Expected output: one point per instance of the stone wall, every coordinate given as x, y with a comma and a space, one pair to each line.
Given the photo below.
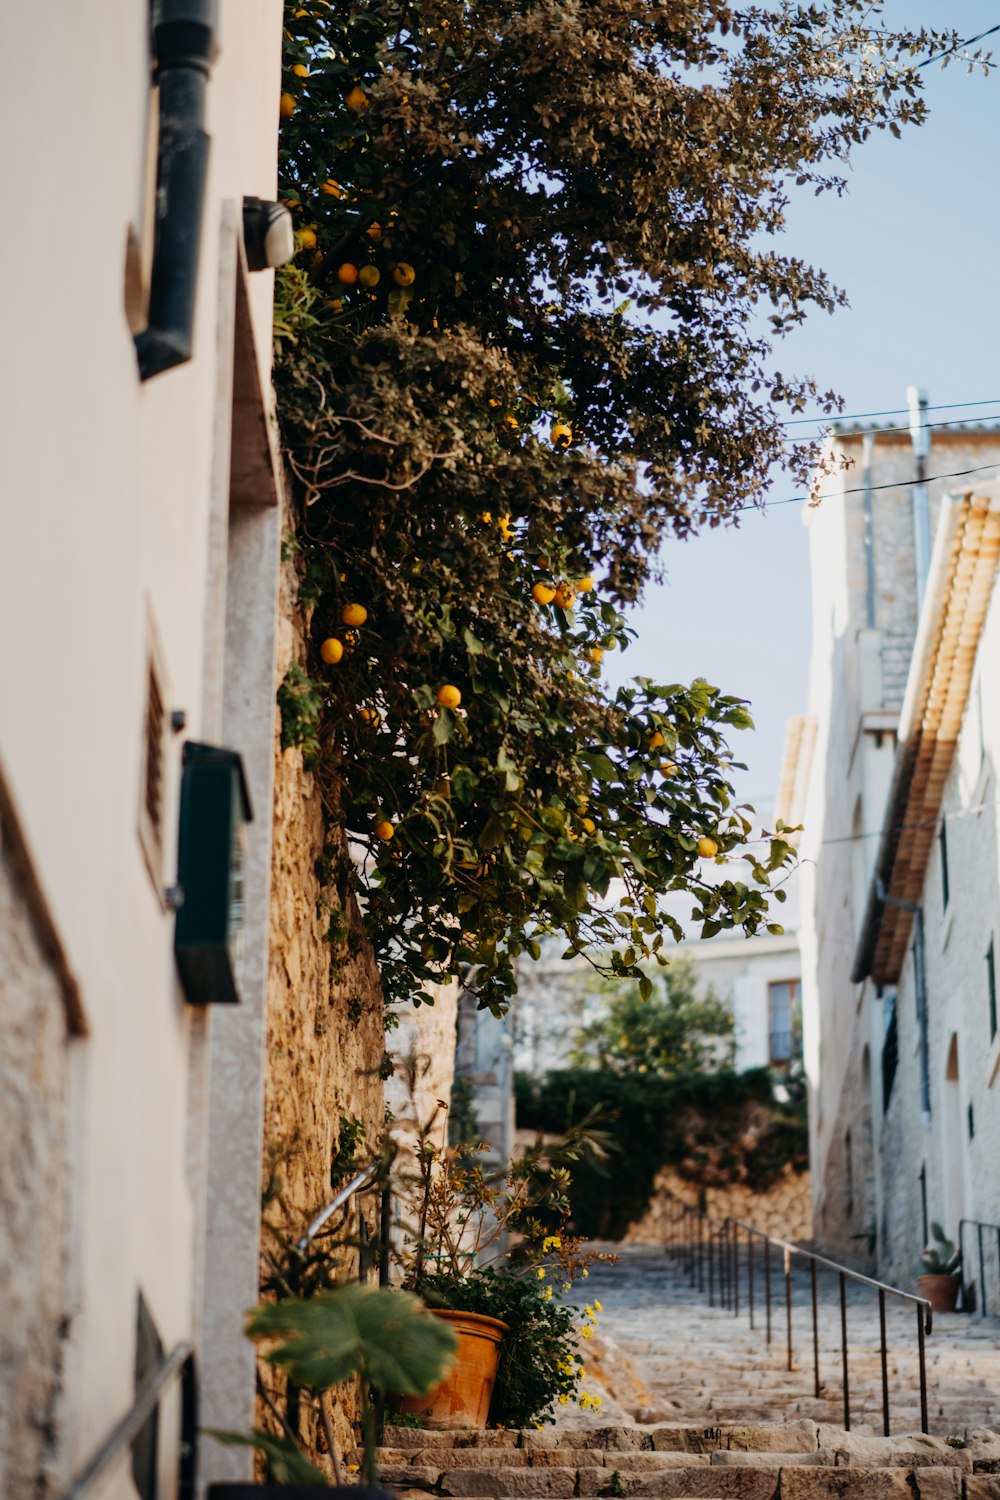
784, 1211
35, 1198
325, 1023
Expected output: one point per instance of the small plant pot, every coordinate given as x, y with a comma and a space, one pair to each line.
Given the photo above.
463, 1397
941, 1291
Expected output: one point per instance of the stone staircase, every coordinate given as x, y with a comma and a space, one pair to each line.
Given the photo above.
799, 1460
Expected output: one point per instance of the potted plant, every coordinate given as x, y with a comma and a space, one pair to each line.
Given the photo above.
940, 1281
385, 1337
492, 1255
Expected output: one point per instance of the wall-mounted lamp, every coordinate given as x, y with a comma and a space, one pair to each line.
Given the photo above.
268, 234
215, 808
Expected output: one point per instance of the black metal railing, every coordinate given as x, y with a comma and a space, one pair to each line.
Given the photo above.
985, 1234
178, 1365
726, 1259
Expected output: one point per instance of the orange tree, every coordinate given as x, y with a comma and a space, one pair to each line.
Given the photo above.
526, 339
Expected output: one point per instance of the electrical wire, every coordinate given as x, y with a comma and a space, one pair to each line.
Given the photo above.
919, 426
861, 489
969, 42
950, 817
896, 411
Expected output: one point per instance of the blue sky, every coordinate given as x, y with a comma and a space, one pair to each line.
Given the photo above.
916, 245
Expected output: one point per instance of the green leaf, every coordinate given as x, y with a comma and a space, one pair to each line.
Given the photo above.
387, 1337
444, 726
492, 834
645, 987
286, 1464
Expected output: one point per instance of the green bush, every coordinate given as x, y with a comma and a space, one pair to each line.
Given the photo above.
714, 1129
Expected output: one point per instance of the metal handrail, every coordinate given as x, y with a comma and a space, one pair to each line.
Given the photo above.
375, 1172
365, 1178
179, 1363
714, 1257
978, 1225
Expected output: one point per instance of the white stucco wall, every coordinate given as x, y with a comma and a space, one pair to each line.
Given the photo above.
862, 1184
109, 489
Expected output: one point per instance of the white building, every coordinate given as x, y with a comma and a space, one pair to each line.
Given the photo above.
900, 862
138, 577
758, 978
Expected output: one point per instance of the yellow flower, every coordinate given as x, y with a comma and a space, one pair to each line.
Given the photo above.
547, 1294
585, 1273
587, 1332
597, 1305
352, 1468
540, 1273
552, 1242
588, 1311
563, 1400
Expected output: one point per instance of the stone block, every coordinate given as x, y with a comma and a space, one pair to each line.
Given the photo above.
494, 1457
413, 1476
553, 1484
739, 1458
916, 1450
857, 1484
982, 1487
778, 1437
712, 1484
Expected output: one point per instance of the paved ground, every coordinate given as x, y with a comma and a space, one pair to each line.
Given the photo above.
694, 1363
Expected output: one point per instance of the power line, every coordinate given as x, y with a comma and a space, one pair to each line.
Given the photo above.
897, 411
861, 489
962, 812
969, 42
880, 431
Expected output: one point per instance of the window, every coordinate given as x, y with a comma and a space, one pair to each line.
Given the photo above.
943, 847
153, 778
145, 1444
890, 1051
783, 1004
991, 982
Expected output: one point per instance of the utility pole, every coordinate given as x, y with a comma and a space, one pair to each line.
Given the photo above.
920, 437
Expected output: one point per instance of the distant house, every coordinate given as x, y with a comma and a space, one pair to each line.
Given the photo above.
901, 875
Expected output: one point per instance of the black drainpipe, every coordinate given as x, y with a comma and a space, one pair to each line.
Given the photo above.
184, 44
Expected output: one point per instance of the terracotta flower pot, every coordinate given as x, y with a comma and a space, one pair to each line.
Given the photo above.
463, 1397
941, 1291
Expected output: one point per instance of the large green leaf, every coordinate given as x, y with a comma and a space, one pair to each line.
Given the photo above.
286, 1464
387, 1337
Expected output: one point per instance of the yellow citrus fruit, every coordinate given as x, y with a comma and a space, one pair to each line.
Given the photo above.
307, 239
505, 528
404, 274
668, 768
335, 304
542, 593
347, 273
331, 650
300, 70
384, 830
595, 654
585, 585
331, 188
369, 276
656, 740
449, 696
287, 106
356, 100
354, 614
564, 596
588, 824
562, 434
374, 231
707, 847
486, 516
371, 717
511, 422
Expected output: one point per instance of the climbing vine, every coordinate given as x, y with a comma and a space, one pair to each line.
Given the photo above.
519, 350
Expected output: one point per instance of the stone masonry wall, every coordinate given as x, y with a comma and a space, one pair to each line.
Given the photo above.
34, 1200
784, 1211
325, 1027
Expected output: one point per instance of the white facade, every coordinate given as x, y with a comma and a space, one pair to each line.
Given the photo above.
884, 769
139, 533
758, 978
